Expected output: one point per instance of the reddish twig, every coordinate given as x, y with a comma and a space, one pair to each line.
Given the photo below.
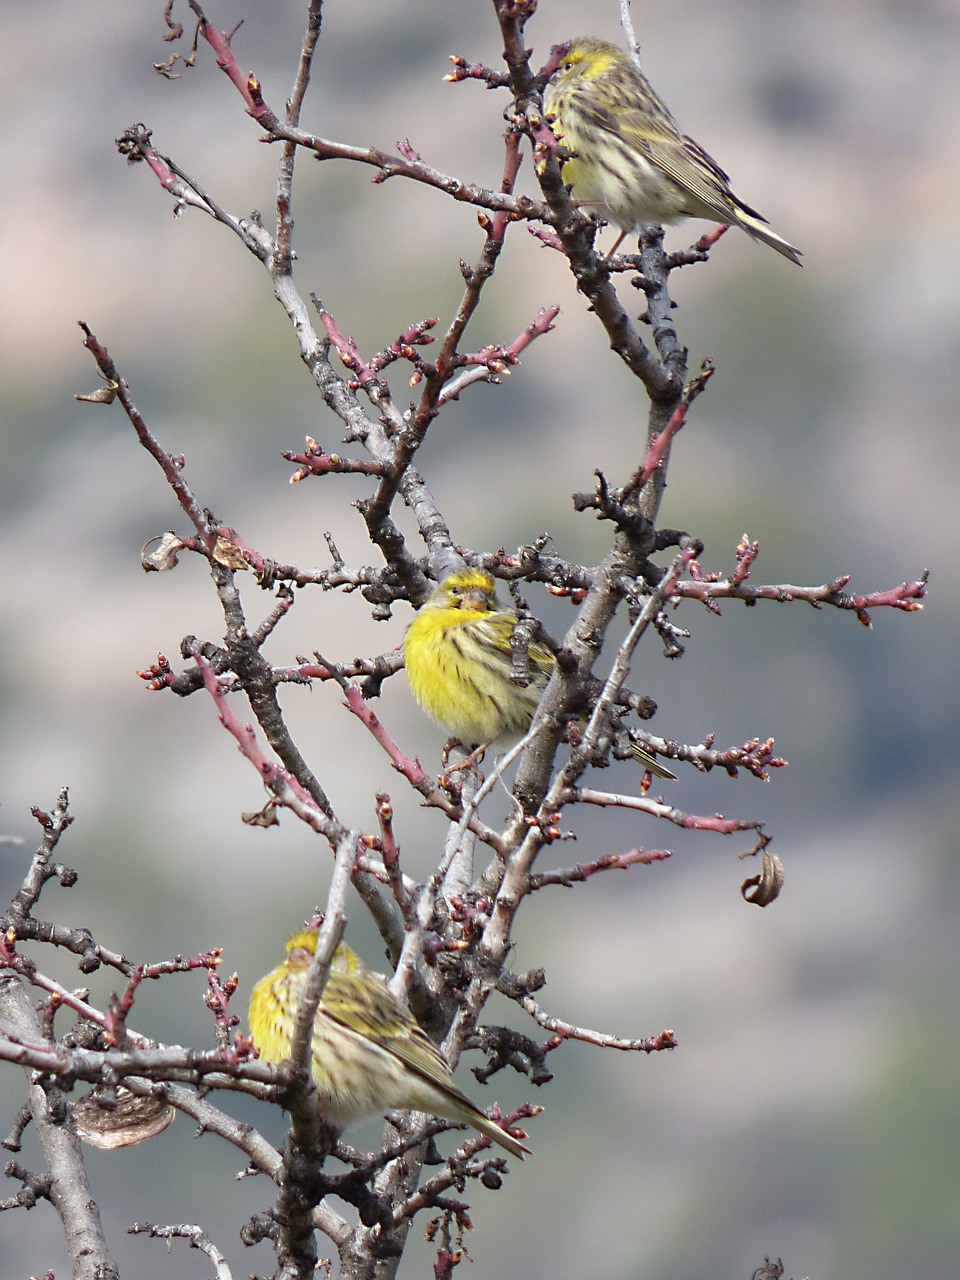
387, 165
390, 851
11, 959
386, 664
710, 238
346, 348
463, 70
118, 1010
569, 876
314, 462
247, 85
710, 589
657, 809
136, 144
660, 443
543, 323
755, 755
171, 466
411, 768
217, 1000
279, 781
567, 1031
747, 552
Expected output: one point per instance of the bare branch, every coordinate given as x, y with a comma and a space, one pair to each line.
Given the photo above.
609, 862
906, 596
69, 1189
196, 1237
567, 1031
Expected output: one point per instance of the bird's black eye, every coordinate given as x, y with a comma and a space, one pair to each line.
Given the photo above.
567, 66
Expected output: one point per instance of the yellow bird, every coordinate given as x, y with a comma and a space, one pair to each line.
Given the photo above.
369, 1054
630, 158
458, 661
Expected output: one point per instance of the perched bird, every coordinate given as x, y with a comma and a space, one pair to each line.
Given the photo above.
629, 157
369, 1054
458, 661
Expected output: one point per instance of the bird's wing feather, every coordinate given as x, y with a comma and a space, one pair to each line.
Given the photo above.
493, 634
371, 1010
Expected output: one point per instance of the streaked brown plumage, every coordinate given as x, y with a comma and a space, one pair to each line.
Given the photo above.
369, 1054
631, 159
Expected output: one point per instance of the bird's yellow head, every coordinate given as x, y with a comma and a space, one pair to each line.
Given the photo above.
472, 590
302, 947
586, 58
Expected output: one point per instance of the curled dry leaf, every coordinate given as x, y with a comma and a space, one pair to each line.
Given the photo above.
763, 889
104, 395
229, 555
132, 1120
165, 554
265, 817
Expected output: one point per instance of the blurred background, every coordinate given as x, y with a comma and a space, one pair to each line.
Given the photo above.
812, 1107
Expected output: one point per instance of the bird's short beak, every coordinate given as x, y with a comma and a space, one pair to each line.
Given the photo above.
476, 599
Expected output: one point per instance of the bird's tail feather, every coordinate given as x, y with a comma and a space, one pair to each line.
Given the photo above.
758, 229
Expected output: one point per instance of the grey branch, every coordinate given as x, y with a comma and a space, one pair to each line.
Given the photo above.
69, 1190
198, 1240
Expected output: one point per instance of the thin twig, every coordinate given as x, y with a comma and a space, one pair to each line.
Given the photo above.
328, 939
567, 1031
196, 1236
